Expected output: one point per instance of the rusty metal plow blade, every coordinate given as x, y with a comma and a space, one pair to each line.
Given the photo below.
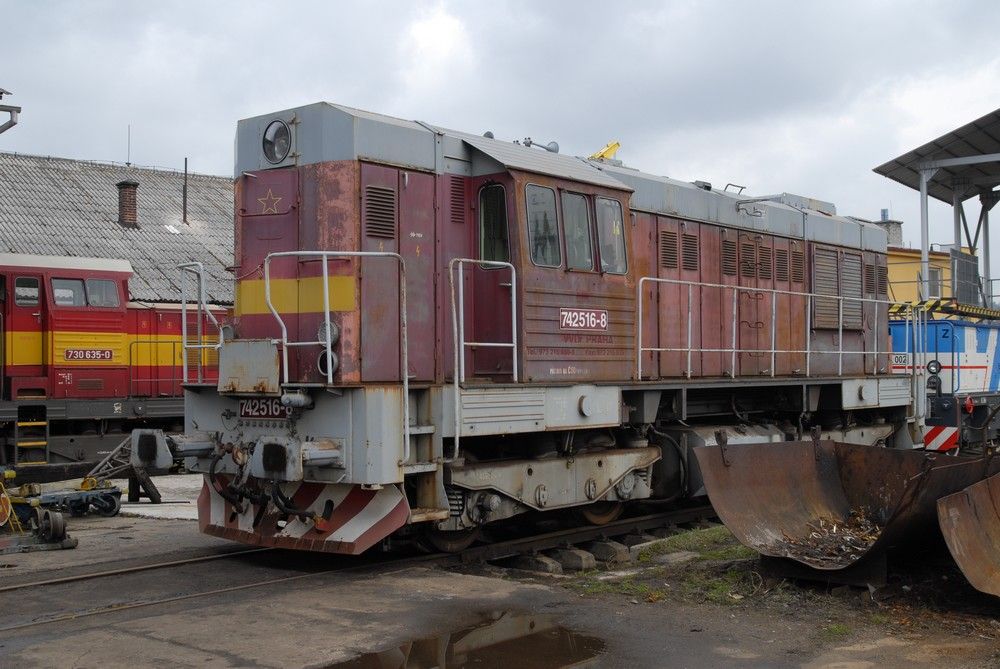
970, 523
828, 504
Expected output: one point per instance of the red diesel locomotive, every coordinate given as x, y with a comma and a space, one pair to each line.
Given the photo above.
435, 330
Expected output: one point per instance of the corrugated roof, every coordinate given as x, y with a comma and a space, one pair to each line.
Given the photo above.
980, 137
58, 206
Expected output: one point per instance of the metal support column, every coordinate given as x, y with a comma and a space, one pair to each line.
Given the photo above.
986, 260
925, 243
987, 200
956, 210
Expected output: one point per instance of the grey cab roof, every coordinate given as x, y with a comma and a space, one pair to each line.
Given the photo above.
977, 138
325, 131
63, 207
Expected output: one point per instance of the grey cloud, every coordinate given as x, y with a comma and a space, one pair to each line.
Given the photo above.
780, 95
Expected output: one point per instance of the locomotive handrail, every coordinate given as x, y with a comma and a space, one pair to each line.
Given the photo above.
918, 344
458, 331
326, 342
198, 269
152, 380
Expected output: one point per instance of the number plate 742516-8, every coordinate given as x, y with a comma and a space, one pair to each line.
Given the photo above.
583, 319
262, 407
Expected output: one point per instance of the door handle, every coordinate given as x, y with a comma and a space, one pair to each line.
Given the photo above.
37, 314
505, 284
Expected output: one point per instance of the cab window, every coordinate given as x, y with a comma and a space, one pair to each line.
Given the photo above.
493, 244
26, 291
68, 293
543, 228
611, 236
576, 224
102, 293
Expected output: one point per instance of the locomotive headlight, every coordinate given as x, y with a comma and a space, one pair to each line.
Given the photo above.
334, 333
934, 367
277, 141
321, 362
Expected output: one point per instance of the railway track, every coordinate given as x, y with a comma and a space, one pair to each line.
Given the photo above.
492, 551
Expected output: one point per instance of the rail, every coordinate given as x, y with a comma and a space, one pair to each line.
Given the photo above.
153, 380
458, 331
913, 319
327, 342
198, 269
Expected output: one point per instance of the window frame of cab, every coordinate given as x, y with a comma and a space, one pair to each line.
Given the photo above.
600, 238
481, 227
589, 212
557, 227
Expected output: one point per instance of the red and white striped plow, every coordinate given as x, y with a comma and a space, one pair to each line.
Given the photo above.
940, 438
360, 518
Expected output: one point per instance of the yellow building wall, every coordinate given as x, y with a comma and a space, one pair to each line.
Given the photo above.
904, 270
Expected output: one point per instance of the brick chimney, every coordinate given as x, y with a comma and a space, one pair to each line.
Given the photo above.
128, 213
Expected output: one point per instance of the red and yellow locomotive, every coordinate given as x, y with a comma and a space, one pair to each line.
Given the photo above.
82, 364
437, 330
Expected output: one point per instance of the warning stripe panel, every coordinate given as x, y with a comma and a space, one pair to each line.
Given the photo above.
940, 438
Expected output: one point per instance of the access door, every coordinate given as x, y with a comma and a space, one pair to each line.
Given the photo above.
492, 285
26, 334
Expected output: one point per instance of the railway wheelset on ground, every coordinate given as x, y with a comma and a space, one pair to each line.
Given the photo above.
434, 331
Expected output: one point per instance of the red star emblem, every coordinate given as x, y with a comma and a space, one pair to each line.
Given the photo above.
269, 203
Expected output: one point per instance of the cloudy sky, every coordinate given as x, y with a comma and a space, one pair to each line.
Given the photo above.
804, 97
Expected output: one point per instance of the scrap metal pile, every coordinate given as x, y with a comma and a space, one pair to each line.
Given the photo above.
832, 543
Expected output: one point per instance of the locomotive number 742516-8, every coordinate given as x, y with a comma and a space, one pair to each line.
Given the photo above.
583, 319
263, 407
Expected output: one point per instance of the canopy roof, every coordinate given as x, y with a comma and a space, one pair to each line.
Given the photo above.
978, 138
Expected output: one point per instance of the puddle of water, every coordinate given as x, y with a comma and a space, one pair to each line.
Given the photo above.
501, 640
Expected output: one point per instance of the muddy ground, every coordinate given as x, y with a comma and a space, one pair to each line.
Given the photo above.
697, 599
926, 615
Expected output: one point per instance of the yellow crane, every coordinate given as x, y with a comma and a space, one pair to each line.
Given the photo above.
608, 152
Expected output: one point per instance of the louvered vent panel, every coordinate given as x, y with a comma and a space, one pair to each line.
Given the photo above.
690, 252
668, 249
798, 266
764, 268
380, 212
850, 286
826, 313
457, 197
748, 260
729, 257
883, 281
781, 265
869, 279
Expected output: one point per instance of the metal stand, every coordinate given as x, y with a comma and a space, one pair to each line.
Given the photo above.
118, 464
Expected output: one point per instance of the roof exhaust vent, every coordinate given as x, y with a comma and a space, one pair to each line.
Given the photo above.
551, 147
128, 212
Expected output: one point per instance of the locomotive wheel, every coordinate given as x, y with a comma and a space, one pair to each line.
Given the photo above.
109, 506
602, 513
449, 541
51, 525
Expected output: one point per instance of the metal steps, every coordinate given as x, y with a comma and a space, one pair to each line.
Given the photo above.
31, 437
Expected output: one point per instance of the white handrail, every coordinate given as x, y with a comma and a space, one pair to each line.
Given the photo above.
458, 332
198, 269
773, 350
326, 341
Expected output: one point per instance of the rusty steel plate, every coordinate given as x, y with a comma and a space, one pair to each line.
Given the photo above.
970, 523
829, 504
